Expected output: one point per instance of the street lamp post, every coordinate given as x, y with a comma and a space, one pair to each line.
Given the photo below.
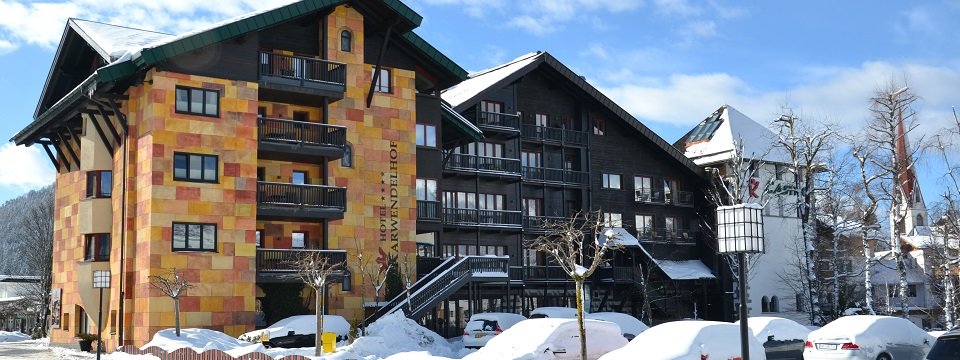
101, 280
740, 232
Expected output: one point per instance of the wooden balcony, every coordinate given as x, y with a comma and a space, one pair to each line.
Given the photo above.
293, 202
428, 210
300, 80
534, 224
482, 218
555, 176
300, 141
555, 274
667, 235
498, 123
483, 165
554, 135
276, 265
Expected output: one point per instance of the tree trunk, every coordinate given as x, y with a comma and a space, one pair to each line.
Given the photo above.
319, 340
948, 298
176, 312
583, 330
902, 271
867, 281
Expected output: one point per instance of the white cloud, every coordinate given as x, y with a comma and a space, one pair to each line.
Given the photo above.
677, 8
24, 167
839, 95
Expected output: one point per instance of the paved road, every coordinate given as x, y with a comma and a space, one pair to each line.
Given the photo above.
25, 351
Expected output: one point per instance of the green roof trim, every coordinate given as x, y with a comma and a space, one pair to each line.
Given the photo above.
462, 125
404, 11
435, 54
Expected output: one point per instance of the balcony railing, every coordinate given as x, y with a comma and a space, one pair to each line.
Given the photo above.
428, 210
535, 223
301, 132
301, 195
493, 120
477, 217
302, 70
483, 164
663, 234
281, 260
561, 135
560, 176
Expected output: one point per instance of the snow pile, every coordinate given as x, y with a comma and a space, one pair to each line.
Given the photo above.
537, 339
687, 340
301, 325
13, 336
394, 334
201, 340
780, 328
872, 332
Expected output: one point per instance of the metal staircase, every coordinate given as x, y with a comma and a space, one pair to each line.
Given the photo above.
448, 277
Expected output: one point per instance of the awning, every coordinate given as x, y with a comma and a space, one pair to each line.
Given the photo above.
620, 237
681, 269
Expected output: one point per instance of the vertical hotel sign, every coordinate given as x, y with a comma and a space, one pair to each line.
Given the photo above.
389, 206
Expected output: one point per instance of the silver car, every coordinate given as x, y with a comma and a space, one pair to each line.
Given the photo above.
868, 337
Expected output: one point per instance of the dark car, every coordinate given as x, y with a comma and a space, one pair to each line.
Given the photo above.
947, 346
298, 331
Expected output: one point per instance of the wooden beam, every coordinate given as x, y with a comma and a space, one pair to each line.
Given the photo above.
109, 124
58, 143
53, 158
72, 153
376, 69
103, 137
120, 116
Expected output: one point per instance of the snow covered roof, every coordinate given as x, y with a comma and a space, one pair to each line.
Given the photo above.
19, 278
621, 237
482, 80
681, 269
884, 270
714, 139
111, 41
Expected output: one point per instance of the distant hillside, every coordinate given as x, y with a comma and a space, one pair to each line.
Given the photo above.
12, 216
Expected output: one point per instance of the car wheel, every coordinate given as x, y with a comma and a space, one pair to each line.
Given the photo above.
884, 357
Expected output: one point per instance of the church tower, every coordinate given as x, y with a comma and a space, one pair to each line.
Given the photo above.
915, 221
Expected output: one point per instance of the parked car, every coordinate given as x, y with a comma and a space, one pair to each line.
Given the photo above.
782, 339
484, 326
630, 326
298, 331
868, 337
683, 340
946, 347
553, 312
554, 338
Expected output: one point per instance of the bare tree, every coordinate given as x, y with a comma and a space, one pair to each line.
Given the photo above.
574, 244
868, 205
37, 255
174, 285
317, 270
892, 118
947, 144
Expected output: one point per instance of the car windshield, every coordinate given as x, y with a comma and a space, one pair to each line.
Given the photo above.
537, 316
945, 348
482, 325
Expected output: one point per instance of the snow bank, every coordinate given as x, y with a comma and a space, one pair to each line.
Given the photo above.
687, 340
301, 325
782, 329
872, 332
13, 336
395, 334
201, 340
536, 339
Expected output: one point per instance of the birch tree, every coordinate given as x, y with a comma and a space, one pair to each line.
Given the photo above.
946, 145
574, 245
867, 211
174, 285
317, 270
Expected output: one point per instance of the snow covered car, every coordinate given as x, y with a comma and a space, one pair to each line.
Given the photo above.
682, 340
298, 331
484, 326
553, 312
781, 338
947, 346
554, 338
630, 326
868, 337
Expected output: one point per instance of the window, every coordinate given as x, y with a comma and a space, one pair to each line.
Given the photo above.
261, 173
672, 225
452, 250
383, 82
194, 237
774, 304
99, 183
489, 202
611, 181
466, 200
426, 189
612, 219
491, 106
426, 135
346, 282
540, 120
347, 159
301, 116
262, 111
530, 257
299, 239
195, 167
599, 127
764, 304
668, 192
920, 220
198, 101
491, 113
911, 291
530, 159
642, 188
644, 226
97, 247
259, 238
490, 150
531, 207
299, 178
346, 41
425, 250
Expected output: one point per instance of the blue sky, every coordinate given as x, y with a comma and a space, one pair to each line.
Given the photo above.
669, 62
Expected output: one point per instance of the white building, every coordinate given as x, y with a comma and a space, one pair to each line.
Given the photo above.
712, 144
12, 294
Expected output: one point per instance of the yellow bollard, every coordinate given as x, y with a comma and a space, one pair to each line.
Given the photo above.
329, 342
